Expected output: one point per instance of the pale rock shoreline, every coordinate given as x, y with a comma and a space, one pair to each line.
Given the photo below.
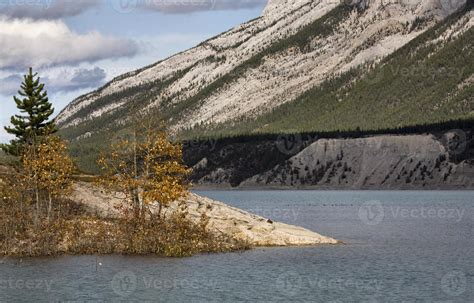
223, 219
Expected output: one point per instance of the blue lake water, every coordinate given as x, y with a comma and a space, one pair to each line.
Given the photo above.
400, 246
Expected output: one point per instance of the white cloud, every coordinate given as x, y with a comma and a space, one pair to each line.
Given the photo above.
25, 42
45, 9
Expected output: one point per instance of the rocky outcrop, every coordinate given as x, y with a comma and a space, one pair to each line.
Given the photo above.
416, 161
223, 219
419, 161
254, 229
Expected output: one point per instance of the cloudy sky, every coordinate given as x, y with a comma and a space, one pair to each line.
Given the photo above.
78, 45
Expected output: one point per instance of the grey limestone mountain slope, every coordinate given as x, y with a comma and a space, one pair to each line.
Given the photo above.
245, 73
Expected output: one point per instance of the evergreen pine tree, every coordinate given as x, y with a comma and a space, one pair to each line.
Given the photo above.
33, 123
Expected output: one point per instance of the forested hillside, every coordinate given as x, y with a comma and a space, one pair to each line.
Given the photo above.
430, 80
350, 68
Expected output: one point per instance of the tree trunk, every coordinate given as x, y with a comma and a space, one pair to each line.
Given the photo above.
135, 175
136, 204
160, 208
142, 208
50, 205
150, 213
37, 204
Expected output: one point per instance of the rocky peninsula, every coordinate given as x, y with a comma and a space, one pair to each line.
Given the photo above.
223, 219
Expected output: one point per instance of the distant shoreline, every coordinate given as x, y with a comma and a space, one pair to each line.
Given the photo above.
226, 187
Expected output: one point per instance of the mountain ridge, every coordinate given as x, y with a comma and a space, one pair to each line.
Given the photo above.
311, 79
222, 105
197, 57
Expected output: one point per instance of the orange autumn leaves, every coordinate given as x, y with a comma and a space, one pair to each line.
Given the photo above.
38, 219
46, 171
48, 166
148, 169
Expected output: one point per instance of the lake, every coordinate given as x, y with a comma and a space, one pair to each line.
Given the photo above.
400, 246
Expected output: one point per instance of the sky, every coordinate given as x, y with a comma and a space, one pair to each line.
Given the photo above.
77, 46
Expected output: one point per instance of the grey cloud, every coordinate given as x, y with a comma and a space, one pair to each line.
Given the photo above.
85, 76
56, 9
190, 6
9, 85
81, 78
66, 81
45, 9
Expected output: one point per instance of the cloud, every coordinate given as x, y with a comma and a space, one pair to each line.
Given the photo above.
78, 79
4, 136
190, 6
64, 81
25, 43
9, 85
57, 9
45, 9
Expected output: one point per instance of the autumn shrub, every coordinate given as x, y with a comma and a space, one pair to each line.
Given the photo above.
38, 219
73, 229
176, 236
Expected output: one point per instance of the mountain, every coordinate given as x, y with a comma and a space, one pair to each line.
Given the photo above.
302, 66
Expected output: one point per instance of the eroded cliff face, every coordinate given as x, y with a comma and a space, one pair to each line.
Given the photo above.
415, 161
378, 162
